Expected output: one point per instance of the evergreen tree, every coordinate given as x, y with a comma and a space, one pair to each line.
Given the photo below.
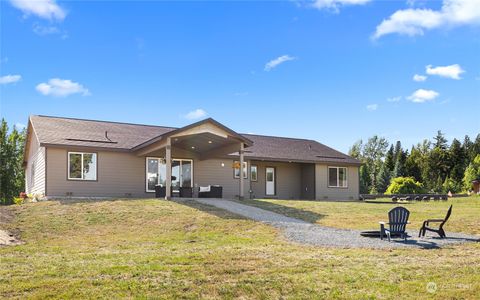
440, 141
396, 152
475, 148
364, 179
384, 177
458, 159
389, 160
11, 159
399, 169
468, 149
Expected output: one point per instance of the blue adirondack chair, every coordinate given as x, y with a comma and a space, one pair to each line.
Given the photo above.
397, 223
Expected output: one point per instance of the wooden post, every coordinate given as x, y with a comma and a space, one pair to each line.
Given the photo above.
242, 180
168, 180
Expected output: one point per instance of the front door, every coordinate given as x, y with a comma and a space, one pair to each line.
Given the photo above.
270, 181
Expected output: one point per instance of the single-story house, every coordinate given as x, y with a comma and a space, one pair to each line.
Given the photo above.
66, 157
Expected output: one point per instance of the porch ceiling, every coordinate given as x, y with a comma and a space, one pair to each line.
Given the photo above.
202, 142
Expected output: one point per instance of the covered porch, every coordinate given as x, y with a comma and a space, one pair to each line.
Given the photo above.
174, 159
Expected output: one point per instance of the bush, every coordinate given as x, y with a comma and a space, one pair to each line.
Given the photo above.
404, 185
18, 200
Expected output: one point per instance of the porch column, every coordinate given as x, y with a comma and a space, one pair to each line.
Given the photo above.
242, 180
168, 180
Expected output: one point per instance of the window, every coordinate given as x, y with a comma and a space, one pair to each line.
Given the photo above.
156, 168
156, 173
337, 177
236, 171
253, 173
82, 166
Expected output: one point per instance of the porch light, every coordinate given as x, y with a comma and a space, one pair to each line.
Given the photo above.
193, 147
209, 142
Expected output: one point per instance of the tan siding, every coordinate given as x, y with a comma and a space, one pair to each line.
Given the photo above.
118, 174
211, 172
35, 169
288, 180
323, 192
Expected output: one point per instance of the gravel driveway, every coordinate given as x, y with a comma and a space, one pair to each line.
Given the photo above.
306, 233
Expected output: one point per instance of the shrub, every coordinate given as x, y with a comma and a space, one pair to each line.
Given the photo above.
404, 185
18, 200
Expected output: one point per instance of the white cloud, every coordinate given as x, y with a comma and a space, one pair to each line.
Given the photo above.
20, 126
421, 95
452, 71
47, 9
10, 79
334, 5
419, 78
372, 107
61, 88
394, 99
45, 30
413, 22
196, 114
277, 61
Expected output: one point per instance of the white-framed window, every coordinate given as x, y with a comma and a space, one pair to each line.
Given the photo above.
236, 171
253, 172
82, 166
337, 177
156, 170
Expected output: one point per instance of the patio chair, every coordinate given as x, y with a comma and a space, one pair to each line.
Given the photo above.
439, 230
397, 223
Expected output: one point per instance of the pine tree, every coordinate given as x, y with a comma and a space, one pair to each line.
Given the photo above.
384, 177
399, 169
364, 179
440, 141
389, 160
458, 160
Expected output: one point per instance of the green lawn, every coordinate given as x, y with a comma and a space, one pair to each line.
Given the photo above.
161, 249
360, 215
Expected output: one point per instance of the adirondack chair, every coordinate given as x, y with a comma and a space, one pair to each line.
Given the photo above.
397, 223
439, 230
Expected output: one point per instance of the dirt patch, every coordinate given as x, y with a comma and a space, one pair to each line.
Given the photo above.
7, 238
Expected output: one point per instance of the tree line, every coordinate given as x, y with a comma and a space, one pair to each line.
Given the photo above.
12, 175
439, 166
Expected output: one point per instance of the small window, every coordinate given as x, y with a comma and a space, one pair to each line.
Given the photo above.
337, 177
82, 166
236, 170
253, 173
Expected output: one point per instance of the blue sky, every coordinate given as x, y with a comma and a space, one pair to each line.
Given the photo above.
332, 70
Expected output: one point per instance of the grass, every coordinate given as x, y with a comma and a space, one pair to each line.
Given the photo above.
365, 215
161, 249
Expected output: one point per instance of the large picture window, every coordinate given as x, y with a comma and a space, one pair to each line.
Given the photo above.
236, 171
337, 177
182, 173
82, 166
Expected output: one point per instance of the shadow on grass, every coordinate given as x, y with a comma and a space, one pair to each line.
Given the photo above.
305, 215
70, 201
209, 209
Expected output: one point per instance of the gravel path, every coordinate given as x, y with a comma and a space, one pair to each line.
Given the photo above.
306, 233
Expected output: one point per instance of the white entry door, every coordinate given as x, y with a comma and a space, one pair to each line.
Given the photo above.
270, 181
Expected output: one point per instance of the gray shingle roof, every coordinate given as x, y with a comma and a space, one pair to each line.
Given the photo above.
124, 136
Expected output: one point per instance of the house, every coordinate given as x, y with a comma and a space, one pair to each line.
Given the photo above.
67, 157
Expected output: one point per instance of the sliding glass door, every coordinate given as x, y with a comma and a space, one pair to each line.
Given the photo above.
156, 173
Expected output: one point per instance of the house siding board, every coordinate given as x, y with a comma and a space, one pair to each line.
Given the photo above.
323, 192
35, 179
308, 181
118, 175
211, 172
288, 180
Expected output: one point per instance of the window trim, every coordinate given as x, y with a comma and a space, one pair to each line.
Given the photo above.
251, 177
163, 158
246, 170
82, 153
338, 177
